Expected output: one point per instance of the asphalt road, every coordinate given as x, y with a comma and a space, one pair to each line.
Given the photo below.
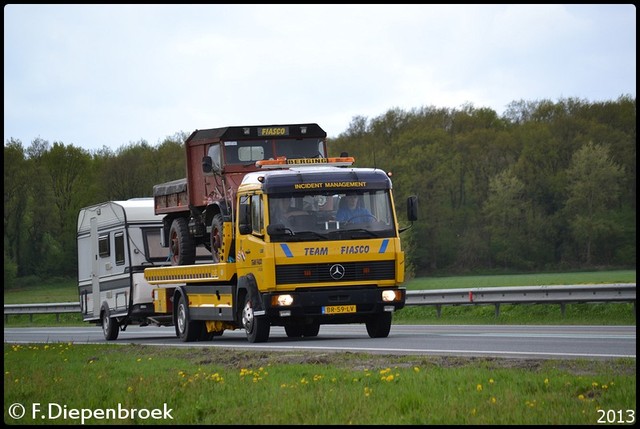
513, 341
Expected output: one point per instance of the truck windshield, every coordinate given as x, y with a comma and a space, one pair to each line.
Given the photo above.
249, 151
331, 216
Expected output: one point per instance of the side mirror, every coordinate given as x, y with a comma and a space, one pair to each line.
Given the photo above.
412, 208
276, 229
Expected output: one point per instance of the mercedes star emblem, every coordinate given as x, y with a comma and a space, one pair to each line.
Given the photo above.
336, 271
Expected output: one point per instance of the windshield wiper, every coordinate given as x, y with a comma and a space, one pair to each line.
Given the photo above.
361, 230
315, 234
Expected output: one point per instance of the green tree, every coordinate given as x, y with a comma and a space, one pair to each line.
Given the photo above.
593, 184
65, 169
505, 213
17, 176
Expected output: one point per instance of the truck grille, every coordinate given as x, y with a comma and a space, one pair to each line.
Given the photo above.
321, 273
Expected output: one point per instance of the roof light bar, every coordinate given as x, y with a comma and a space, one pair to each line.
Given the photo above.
283, 162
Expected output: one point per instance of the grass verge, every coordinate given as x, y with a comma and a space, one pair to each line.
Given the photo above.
202, 386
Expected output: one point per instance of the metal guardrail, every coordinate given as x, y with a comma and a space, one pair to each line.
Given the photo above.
557, 294
51, 308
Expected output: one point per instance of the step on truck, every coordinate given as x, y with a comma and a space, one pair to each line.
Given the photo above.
290, 237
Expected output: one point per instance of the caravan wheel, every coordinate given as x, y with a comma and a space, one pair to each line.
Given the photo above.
110, 327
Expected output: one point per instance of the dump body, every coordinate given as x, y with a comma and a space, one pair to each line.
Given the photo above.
217, 159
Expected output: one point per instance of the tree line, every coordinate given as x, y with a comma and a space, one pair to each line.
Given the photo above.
546, 186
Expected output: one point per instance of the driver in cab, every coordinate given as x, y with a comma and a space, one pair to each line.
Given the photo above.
351, 211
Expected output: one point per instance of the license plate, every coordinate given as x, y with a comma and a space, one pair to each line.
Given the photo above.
338, 309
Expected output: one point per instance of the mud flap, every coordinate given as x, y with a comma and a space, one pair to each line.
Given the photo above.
249, 284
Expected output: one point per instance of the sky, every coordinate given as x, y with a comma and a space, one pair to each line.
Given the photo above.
99, 75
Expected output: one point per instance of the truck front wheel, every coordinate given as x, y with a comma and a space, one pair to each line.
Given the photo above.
379, 325
257, 328
183, 251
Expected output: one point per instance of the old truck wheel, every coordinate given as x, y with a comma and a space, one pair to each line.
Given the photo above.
183, 251
379, 325
257, 328
110, 327
216, 237
187, 330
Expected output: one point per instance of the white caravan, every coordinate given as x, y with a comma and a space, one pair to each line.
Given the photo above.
117, 240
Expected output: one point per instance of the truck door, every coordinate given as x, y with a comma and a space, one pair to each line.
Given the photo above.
250, 248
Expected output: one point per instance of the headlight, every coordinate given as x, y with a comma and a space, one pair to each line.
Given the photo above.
282, 300
390, 295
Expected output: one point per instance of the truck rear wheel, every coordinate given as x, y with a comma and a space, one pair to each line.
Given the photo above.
379, 325
183, 251
110, 327
257, 328
187, 330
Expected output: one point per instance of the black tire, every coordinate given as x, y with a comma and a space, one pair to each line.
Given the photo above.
182, 248
311, 330
379, 325
297, 329
187, 330
293, 329
256, 328
217, 225
110, 326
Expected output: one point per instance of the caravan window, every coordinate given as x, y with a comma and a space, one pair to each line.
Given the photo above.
119, 245
153, 247
104, 249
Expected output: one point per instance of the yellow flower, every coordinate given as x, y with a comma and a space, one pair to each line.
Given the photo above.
479, 387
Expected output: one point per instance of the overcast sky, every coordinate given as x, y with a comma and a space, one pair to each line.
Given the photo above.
110, 75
